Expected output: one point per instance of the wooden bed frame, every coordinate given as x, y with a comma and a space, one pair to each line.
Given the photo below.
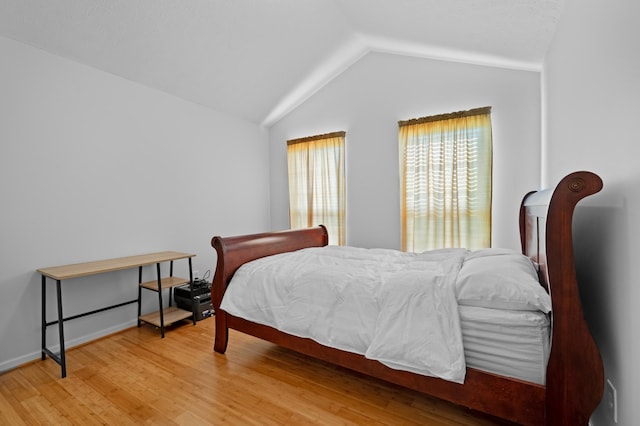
575, 378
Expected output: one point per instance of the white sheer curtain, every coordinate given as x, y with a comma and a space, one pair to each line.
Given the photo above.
317, 183
445, 180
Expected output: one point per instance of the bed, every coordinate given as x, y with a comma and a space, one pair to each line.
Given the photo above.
573, 383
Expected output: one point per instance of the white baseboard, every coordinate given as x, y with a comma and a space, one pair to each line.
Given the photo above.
32, 356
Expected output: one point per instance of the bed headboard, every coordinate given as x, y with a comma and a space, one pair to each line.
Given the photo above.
546, 219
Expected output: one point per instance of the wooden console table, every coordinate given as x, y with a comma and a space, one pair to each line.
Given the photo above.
64, 272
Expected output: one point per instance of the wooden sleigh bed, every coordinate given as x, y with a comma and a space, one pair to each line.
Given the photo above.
574, 378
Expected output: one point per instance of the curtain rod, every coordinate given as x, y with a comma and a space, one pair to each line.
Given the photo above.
449, 116
317, 137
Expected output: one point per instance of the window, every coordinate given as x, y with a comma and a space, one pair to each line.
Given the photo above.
317, 183
445, 180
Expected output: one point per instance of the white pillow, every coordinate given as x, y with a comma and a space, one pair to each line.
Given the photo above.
501, 279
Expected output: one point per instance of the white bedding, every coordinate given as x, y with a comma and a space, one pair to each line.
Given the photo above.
395, 307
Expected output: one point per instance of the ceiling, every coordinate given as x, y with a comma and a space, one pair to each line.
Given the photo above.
258, 59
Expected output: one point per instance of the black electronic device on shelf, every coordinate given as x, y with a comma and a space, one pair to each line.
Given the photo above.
201, 303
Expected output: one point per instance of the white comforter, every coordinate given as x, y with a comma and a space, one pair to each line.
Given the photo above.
395, 307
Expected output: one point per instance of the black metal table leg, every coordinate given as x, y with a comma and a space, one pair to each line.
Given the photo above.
160, 300
193, 302
139, 295
63, 362
44, 317
171, 288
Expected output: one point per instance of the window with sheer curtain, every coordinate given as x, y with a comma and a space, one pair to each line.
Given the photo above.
317, 183
445, 180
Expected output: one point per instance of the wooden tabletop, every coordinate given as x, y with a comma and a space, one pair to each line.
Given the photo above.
64, 272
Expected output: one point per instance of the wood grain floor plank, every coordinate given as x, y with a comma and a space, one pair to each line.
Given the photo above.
135, 377
8, 414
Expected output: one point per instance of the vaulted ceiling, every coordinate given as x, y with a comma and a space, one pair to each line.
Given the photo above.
258, 59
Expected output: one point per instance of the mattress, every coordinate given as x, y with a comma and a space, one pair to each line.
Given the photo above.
509, 343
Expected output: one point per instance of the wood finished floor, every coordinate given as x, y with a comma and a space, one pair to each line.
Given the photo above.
135, 377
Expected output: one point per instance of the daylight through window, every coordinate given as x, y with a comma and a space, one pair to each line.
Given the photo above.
317, 184
445, 180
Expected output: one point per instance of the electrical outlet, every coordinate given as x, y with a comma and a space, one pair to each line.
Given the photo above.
612, 401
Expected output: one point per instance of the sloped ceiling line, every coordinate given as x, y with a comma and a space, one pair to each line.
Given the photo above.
259, 59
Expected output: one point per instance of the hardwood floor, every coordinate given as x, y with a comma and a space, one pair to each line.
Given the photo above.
136, 377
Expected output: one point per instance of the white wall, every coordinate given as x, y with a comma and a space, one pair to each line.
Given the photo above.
93, 166
368, 100
592, 93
